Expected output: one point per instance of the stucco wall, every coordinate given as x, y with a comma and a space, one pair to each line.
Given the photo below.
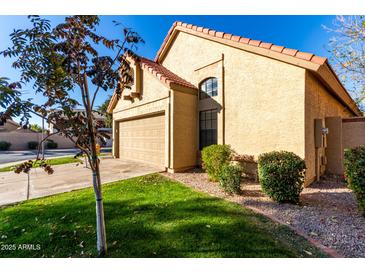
263, 98
334, 149
154, 99
151, 90
9, 126
353, 132
19, 139
319, 104
184, 124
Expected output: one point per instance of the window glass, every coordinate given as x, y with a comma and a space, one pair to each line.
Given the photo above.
208, 88
207, 128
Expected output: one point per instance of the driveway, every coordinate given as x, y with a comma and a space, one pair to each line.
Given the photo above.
7, 157
13, 187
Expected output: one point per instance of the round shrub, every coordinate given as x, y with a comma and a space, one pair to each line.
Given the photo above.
213, 158
51, 144
32, 145
354, 163
4, 145
230, 178
281, 175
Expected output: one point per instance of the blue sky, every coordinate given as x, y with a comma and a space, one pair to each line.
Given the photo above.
299, 32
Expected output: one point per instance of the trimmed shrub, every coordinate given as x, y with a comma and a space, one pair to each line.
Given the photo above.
32, 145
230, 178
281, 175
4, 145
214, 157
51, 144
354, 163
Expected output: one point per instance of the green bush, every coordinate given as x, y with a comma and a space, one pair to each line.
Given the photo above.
4, 145
281, 175
32, 145
51, 144
214, 157
230, 178
355, 173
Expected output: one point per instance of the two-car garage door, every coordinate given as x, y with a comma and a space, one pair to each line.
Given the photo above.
143, 140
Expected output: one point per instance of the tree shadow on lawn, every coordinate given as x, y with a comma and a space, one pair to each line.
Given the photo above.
180, 227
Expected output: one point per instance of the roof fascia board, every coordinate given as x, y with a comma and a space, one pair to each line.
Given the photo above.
330, 79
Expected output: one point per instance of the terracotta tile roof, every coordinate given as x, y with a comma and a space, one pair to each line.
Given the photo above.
239, 39
163, 74
159, 71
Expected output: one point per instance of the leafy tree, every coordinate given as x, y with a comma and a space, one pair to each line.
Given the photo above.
60, 61
347, 49
102, 109
35, 128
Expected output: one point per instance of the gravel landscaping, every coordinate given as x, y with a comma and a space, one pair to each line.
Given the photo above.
328, 212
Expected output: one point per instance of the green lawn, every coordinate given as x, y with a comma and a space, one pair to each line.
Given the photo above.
55, 161
149, 216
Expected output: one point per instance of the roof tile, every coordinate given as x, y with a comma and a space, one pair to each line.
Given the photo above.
245, 40
318, 60
219, 34
164, 74
277, 48
304, 55
290, 52
265, 45
254, 43
235, 38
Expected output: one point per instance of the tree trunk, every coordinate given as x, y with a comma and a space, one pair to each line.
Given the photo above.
100, 223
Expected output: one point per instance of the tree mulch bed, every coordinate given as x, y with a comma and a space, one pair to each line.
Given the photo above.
327, 213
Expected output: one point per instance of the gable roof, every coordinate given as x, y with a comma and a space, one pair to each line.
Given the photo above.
163, 74
224, 37
309, 61
160, 72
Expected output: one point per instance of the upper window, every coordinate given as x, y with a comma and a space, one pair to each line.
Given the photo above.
208, 88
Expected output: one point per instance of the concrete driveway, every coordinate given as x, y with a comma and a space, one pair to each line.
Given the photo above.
13, 187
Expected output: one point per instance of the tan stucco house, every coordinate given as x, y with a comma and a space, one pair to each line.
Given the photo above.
206, 87
8, 126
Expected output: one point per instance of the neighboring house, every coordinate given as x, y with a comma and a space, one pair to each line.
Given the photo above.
206, 87
99, 117
8, 126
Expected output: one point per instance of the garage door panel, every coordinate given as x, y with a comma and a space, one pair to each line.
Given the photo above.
143, 140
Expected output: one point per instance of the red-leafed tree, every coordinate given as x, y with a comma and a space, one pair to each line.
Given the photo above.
59, 62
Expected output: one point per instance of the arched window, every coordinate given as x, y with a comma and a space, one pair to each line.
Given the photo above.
208, 88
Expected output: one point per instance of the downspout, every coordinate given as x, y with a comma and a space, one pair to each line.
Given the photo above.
223, 104
169, 132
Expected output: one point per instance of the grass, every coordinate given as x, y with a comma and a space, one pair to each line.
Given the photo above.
55, 161
148, 216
